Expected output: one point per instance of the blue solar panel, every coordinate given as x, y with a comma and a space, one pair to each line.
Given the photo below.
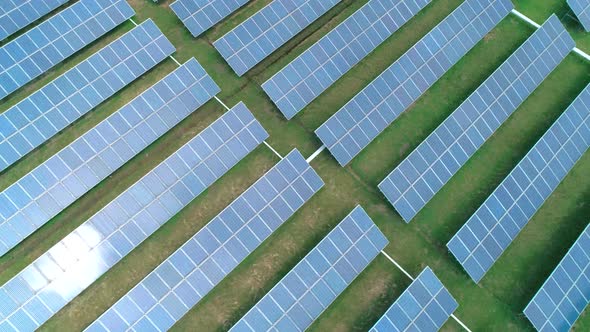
582, 10
311, 286
363, 118
310, 74
565, 294
267, 30
200, 15
188, 275
58, 104
422, 174
485, 236
54, 40
72, 172
424, 306
63, 272
17, 14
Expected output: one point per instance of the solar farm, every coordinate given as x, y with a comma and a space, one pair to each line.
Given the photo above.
294, 165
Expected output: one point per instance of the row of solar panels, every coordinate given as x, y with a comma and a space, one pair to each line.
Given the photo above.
417, 179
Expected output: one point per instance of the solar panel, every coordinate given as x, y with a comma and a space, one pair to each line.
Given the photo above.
63, 272
363, 118
311, 286
424, 306
188, 275
310, 74
51, 42
58, 104
17, 14
481, 241
200, 15
72, 172
565, 294
267, 30
582, 10
422, 174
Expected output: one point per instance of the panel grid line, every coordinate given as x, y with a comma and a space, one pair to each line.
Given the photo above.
309, 288
336, 53
34, 120
96, 160
543, 311
64, 271
362, 119
481, 241
198, 265
249, 43
33, 53
22, 13
490, 105
198, 16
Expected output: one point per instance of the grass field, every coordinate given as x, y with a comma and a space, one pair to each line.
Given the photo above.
495, 304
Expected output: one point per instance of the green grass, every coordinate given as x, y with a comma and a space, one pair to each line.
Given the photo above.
495, 304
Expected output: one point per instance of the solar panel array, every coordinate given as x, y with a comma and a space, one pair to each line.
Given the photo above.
424, 306
310, 74
363, 118
267, 30
481, 241
200, 15
311, 286
63, 272
565, 294
188, 275
432, 164
582, 10
17, 14
51, 187
49, 43
58, 104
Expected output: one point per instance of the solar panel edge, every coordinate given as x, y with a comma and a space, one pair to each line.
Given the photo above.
266, 86
205, 228
7, 162
30, 122
408, 217
105, 240
230, 58
4, 93
196, 33
479, 276
107, 120
344, 162
585, 232
358, 208
426, 271
579, 11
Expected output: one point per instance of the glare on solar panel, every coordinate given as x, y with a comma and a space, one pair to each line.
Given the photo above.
200, 15
418, 178
310, 74
17, 14
485, 236
63, 272
58, 104
311, 286
363, 118
210, 255
51, 42
582, 10
566, 293
72, 172
267, 30
424, 306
